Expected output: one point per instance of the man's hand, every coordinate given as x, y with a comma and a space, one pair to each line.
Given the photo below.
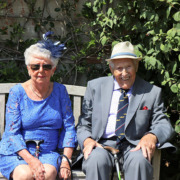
89, 144
148, 146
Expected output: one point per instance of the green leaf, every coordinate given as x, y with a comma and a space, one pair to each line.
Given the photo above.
152, 61
114, 43
138, 52
103, 40
143, 15
172, 32
88, 4
176, 16
174, 88
156, 18
109, 12
102, 34
110, 23
165, 47
177, 126
91, 43
150, 51
95, 9
168, 12
166, 74
159, 64
151, 32
163, 83
174, 67
155, 38
3, 5
179, 86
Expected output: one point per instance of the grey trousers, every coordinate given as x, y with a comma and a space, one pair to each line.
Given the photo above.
98, 165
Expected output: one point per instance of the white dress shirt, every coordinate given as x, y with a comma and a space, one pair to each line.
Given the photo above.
111, 123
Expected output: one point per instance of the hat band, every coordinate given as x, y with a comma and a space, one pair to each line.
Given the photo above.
121, 54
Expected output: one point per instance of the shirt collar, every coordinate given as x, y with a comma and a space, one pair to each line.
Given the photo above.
116, 85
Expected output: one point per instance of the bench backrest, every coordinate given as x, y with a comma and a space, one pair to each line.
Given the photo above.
77, 92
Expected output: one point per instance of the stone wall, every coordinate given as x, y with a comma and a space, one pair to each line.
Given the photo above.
30, 15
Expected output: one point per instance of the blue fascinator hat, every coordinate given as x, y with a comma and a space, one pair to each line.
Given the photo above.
55, 47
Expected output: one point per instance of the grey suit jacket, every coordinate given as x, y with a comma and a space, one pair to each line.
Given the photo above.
96, 106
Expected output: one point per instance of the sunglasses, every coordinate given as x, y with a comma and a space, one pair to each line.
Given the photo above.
36, 67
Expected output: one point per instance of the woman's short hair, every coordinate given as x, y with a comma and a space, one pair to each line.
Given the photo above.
39, 50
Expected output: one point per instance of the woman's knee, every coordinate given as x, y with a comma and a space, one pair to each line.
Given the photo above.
51, 172
22, 172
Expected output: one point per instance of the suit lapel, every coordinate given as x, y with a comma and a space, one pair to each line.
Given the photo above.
106, 96
135, 100
106, 92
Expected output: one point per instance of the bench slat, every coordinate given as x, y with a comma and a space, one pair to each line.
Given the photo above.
5, 87
2, 177
72, 89
156, 164
76, 108
75, 90
2, 112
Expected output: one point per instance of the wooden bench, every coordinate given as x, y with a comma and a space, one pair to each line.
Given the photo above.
77, 93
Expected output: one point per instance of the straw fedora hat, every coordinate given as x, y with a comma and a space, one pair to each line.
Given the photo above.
123, 50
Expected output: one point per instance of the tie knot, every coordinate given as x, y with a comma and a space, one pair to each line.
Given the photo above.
124, 91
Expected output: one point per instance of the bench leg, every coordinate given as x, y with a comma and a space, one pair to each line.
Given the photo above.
156, 164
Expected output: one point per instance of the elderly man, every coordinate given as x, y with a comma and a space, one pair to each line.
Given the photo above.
125, 112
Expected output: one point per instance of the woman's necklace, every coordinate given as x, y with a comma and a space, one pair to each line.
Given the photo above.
41, 97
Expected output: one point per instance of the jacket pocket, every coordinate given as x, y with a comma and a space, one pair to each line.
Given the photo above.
142, 122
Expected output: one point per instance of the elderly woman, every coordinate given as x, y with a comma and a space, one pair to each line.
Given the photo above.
37, 110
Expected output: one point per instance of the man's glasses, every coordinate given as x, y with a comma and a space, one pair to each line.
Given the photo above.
36, 67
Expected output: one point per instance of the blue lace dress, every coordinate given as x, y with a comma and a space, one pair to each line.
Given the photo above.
39, 120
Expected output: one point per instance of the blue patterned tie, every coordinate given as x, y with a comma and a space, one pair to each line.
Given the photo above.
121, 115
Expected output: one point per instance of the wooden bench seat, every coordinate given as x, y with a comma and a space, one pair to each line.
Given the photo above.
76, 93
77, 175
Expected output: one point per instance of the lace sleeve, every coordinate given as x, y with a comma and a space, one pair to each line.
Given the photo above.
68, 133
12, 140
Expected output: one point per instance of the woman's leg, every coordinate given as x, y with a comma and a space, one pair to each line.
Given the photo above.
22, 172
51, 172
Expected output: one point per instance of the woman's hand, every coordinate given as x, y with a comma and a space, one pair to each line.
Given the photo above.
37, 168
65, 171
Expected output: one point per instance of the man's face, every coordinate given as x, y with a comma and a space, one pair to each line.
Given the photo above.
124, 71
